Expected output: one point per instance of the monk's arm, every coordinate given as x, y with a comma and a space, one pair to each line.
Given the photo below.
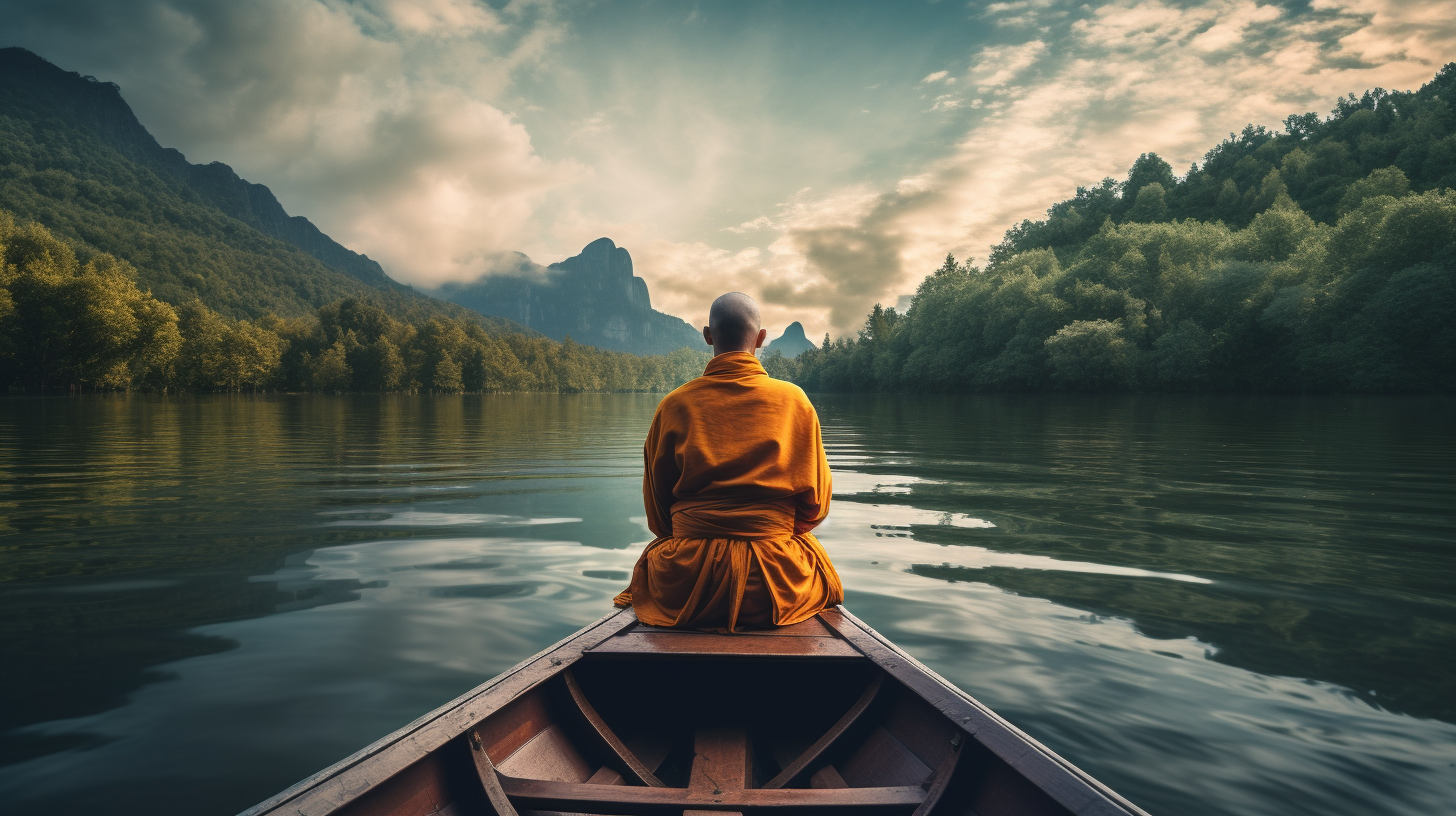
658, 478
814, 502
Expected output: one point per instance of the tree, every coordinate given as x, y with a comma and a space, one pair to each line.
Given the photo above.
1385, 181
330, 371
1151, 205
1091, 355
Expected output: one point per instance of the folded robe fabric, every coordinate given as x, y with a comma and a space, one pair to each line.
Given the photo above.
735, 479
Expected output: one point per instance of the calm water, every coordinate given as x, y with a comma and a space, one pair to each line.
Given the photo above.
1216, 605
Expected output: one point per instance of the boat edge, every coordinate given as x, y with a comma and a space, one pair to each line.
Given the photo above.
407, 730
1088, 779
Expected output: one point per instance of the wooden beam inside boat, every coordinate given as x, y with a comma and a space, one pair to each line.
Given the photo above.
633, 767
609, 799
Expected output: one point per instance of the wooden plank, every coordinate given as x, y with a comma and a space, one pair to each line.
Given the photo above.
1073, 788
922, 729
649, 747
570, 796
489, 779
710, 645
812, 627
606, 776
827, 777
344, 781
419, 790
883, 761
634, 768
548, 755
814, 751
514, 725
720, 761
941, 781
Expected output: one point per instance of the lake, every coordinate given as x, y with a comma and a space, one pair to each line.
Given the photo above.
1216, 605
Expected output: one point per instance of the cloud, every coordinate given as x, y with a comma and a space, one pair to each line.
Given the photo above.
450, 18
1129, 77
437, 135
998, 66
331, 107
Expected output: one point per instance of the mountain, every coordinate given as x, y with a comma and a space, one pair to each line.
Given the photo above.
74, 158
592, 297
792, 342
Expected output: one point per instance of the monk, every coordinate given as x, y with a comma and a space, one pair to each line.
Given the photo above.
735, 479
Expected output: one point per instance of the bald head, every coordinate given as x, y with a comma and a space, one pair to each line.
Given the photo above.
733, 324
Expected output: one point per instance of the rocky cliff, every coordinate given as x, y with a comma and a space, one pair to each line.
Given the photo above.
592, 297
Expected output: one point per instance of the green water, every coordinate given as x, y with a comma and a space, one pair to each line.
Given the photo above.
1240, 605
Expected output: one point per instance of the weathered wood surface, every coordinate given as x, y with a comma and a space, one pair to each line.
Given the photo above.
721, 762
569, 796
812, 754
703, 644
633, 766
489, 779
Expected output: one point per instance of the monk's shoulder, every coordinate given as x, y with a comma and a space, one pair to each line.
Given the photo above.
786, 392
680, 398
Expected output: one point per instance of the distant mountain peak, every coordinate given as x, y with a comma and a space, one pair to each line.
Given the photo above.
592, 296
792, 342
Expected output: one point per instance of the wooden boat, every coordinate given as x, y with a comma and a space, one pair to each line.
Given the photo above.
822, 717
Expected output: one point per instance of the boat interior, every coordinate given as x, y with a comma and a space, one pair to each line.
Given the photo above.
652, 721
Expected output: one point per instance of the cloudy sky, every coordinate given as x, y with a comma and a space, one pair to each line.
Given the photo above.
822, 156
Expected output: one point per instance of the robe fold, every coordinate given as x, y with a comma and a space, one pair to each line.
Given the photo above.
735, 479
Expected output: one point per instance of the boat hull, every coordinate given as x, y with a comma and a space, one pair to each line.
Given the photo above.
826, 716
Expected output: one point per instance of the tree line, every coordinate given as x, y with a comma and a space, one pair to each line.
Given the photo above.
1318, 259
74, 323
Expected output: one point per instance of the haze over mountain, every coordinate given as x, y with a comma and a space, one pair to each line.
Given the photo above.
592, 297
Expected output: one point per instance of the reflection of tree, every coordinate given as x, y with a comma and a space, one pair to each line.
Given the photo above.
1320, 521
165, 506
1303, 634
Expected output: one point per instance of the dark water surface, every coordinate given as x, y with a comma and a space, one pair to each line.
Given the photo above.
1228, 605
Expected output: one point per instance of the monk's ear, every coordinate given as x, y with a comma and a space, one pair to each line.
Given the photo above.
708, 335
762, 336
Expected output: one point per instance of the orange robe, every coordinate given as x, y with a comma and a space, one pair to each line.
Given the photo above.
735, 479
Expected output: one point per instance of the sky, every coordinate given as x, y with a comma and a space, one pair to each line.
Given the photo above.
820, 156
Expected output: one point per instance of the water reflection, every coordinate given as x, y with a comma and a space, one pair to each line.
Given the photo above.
1193, 598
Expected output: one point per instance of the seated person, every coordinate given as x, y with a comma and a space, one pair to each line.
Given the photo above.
735, 479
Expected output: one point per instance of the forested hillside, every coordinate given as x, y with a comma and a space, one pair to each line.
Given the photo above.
71, 324
1322, 258
125, 267
74, 158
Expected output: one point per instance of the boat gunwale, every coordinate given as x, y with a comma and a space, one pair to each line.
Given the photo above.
1017, 762
314, 782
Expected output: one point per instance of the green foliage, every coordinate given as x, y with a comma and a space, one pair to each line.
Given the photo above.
57, 170
69, 325
1092, 355
1286, 303
1320, 259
